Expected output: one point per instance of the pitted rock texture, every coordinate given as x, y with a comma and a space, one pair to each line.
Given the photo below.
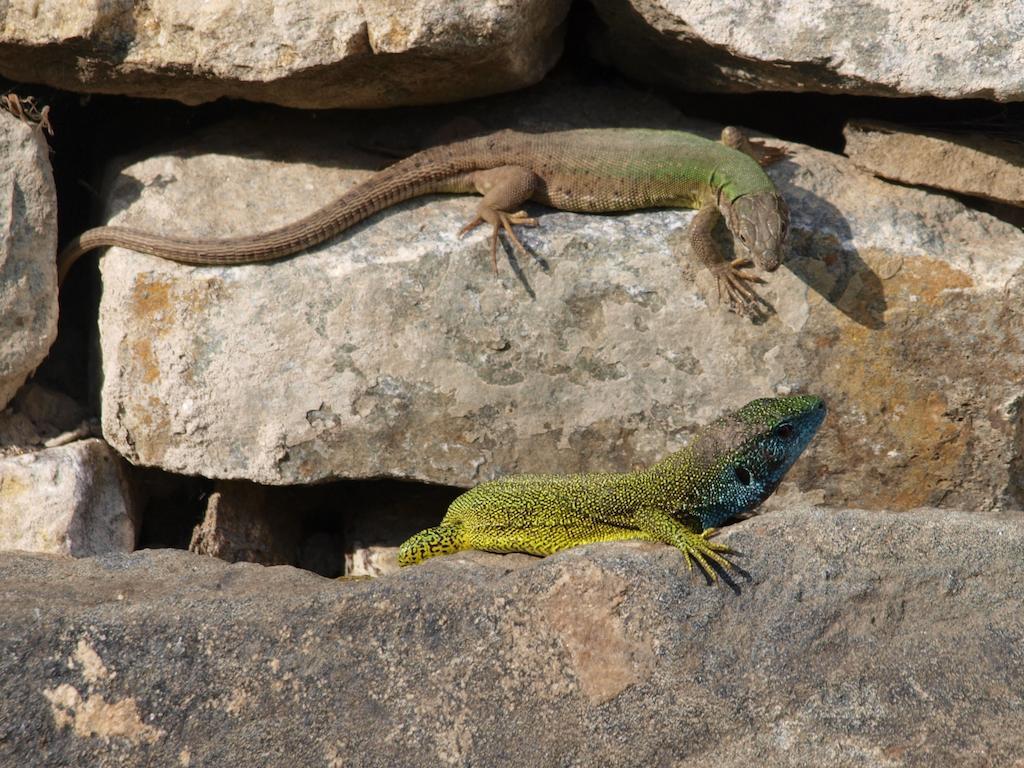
947, 49
394, 351
356, 53
73, 499
28, 245
849, 638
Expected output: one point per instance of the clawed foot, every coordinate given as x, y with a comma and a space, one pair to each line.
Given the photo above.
761, 152
503, 220
701, 549
742, 297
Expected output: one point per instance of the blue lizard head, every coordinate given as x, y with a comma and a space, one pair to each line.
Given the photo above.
741, 459
760, 221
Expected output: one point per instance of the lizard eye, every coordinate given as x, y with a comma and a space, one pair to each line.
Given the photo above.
784, 431
742, 474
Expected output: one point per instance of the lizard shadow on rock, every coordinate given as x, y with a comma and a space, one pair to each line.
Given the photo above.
517, 270
728, 576
820, 254
513, 259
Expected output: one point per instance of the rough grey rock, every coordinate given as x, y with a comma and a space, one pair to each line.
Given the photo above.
394, 351
70, 500
357, 53
948, 49
971, 164
849, 639
28, 244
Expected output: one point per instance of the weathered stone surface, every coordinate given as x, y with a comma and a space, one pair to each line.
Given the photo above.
394, 351
28, 244
971, 164
365, 53
243, 523
849, 639
947, 49
70, 500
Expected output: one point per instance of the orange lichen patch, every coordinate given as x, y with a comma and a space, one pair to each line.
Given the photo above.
159, 308
144, 361
150, 297
11, 490
149, 424
896, 422
925, 279
158, 426
156, 302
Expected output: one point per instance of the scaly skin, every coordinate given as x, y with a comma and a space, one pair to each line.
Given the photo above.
591, 171
729, 468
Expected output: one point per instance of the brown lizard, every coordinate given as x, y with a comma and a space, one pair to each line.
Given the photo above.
587, 170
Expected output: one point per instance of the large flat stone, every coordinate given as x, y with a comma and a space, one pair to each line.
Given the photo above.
394, 351
28, 245
356, 53
948, 49
849, 639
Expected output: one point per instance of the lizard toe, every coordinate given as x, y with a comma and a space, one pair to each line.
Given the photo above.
471, 226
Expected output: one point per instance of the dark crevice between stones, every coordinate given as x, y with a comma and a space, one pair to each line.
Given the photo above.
1015, 490
311, 527
170, 507
818, 119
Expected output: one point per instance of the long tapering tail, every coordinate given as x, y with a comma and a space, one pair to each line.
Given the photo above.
420, 174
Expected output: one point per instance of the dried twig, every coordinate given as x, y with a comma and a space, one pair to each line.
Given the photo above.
27, 110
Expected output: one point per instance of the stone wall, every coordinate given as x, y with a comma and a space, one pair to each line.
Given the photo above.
312, 412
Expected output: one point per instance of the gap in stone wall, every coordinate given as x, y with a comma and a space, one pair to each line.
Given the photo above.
349, 527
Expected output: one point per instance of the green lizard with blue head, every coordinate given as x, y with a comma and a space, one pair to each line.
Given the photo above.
729, 468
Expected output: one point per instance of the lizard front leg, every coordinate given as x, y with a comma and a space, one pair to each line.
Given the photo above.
730, 273
664, 527
504, 189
